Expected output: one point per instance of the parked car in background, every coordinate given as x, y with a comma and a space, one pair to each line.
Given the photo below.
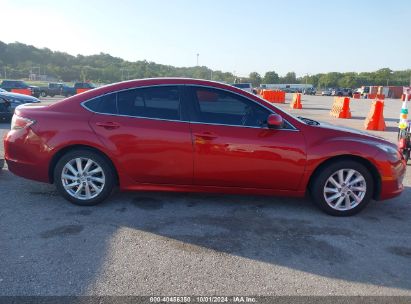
52, 89
11, 100
326, 92
248, 87
5, 109
9, 85
342, 92
173, 134
290, 90
310, 91
78, 87
83, 86
68, 91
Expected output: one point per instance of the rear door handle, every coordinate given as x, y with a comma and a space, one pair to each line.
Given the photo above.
109, 125
206, 135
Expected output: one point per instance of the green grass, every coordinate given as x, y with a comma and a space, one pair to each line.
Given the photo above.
39, 83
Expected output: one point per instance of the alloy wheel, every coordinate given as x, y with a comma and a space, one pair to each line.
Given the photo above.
83, 178
345, 189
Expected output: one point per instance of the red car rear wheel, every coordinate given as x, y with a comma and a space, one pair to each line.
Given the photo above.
84, 177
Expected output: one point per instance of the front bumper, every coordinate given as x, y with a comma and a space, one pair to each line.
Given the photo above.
392, 176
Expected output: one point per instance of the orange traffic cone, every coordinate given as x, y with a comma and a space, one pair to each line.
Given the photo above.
296, 102
341, 107
375, 120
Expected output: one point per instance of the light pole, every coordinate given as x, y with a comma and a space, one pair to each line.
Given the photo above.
31, 72
389, 76
197, 58
122, 73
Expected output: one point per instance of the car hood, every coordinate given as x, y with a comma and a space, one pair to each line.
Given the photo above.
350, 131
19, 97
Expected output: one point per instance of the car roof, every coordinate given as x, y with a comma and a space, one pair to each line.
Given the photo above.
164, 81
67, 104
130, 84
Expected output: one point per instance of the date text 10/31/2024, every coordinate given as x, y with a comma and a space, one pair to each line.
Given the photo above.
202, 299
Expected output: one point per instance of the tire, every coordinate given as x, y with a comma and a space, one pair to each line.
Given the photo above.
100, 183
43, 94
351, 199
406, 154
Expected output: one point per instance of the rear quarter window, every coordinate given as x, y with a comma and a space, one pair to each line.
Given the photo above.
106, 104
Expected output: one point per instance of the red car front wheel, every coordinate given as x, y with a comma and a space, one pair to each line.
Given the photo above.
343, 188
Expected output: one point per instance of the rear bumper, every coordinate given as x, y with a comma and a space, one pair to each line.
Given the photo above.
26, 155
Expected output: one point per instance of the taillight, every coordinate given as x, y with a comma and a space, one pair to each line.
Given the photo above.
19, 122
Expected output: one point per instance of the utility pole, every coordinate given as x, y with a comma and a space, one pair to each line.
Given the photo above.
33, 72
5, 73
122, 74
211, 77
197, 58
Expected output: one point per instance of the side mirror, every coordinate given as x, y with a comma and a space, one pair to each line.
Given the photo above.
275, 121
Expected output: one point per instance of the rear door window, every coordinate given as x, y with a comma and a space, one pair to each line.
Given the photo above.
161, 102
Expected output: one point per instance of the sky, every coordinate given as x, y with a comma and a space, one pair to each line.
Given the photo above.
237, 36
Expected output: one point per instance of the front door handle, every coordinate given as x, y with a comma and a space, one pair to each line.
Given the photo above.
206, 135
108, 125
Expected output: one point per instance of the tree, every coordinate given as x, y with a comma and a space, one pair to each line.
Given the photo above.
348, 81
329, 80
290, 77
17, 59
382, 76
271, 78
255, 79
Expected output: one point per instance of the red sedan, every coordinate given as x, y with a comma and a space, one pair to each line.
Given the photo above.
198, 136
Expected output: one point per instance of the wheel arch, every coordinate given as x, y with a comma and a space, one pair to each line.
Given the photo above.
365, 162
65, 150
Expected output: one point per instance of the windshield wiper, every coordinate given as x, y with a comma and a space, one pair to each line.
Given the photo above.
308, 121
